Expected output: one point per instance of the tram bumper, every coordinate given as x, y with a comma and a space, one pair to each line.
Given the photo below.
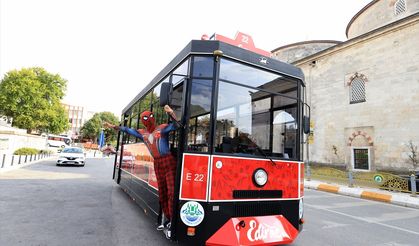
261, 230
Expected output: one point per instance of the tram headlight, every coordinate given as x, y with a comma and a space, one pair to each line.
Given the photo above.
260, 177
301, 209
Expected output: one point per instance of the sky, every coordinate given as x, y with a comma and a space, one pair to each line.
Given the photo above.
109, 50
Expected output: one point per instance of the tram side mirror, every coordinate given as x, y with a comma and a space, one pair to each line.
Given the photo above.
166, 91
306, 124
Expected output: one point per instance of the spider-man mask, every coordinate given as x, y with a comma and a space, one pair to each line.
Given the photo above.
147, 118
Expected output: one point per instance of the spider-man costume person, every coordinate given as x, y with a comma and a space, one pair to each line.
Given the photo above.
156, 140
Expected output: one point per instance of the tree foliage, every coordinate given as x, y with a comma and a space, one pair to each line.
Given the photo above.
32, 96
91, 129
413, 154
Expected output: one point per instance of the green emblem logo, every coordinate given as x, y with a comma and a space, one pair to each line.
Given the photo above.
378, 178
192, 213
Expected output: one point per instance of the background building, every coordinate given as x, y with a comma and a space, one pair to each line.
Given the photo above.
364, 92
77, 116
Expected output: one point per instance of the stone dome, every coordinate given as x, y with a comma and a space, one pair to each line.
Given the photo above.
379, 13
297, 51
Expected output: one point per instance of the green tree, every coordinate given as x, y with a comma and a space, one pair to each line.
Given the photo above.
32, 96
91, 129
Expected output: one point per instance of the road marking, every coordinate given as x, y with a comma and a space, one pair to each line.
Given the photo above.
344, 205
396, 216
393, 244
363, 219
322, 196
331, 225
357, 199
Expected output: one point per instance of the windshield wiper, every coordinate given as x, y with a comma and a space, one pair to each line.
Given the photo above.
264, 154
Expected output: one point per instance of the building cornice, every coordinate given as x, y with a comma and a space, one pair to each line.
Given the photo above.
392, 27
306, 42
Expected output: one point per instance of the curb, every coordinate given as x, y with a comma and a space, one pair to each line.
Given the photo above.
403, 199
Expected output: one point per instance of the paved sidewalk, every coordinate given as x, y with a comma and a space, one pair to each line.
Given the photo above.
398, 198
94, 154
17, 166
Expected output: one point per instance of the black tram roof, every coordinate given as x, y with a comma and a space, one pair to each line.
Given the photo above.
207, 47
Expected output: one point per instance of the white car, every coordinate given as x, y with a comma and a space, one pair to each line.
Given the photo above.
72, 155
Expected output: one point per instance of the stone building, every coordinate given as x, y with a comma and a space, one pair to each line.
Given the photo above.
77, 116
364, 92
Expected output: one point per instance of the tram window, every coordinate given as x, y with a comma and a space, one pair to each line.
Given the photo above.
281, 101
285, 132
177, 101
203, 66
135, 120
180, 73
198, 137
283, 86
201, 97
199, 121
243, 120
146, 102
236, 72
176, 105
159, 114
132, 124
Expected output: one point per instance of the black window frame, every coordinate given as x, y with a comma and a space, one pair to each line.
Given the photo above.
299, 104
188, 104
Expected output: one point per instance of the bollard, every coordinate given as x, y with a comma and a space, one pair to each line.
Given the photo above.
4, 159
308, 173
413, 184
351, 179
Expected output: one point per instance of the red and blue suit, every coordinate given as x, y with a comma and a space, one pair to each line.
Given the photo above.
156, 138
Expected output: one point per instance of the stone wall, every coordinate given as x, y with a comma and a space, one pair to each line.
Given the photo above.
389, 62
12, 139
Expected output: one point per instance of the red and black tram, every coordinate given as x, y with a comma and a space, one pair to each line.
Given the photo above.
239, 175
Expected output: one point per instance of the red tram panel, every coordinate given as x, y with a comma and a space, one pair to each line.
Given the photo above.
235, 173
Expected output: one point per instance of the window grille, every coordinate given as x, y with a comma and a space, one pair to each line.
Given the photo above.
399, 7
361, 159
357, 90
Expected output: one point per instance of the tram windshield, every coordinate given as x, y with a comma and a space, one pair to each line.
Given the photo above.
257, 112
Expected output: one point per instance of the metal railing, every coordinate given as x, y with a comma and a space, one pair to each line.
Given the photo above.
379, 180
7, 161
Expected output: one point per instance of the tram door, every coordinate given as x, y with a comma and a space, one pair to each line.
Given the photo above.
177, 104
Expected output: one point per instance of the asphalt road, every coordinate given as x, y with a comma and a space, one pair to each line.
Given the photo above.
47, 205
333, 219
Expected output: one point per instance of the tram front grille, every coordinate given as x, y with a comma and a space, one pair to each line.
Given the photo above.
254, 194
244, 209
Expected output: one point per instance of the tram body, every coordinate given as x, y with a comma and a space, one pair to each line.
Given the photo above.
240, 172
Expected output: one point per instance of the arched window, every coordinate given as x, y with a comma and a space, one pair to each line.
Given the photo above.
357, 89
399, 7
